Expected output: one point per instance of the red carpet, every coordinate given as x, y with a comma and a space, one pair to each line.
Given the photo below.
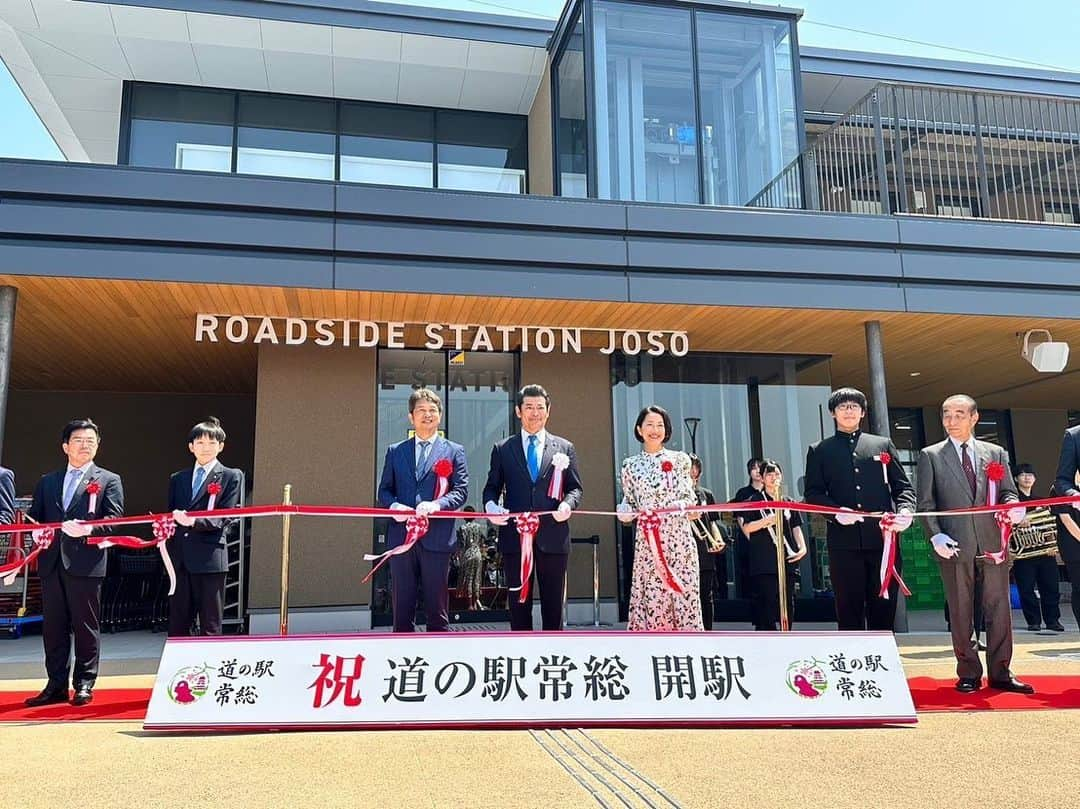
930, 695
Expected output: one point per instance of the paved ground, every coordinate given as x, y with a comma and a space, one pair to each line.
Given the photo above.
962, 760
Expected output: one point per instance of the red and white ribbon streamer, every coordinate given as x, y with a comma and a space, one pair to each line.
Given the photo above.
889, 573
213, 489
885, 459
443, 469
559, 462
415, 527
164, 528
92, 489
668, 468
650, 526
527, 525
995, 473
43, 538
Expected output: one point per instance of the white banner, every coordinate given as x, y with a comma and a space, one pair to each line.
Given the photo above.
452, 680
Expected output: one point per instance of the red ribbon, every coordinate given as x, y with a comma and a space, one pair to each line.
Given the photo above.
889, 572
527, 525
92, 489
995, 473
43, 538
443, 469
213, 489
415, 527
650, 526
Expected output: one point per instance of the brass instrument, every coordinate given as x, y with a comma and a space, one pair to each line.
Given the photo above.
777, 532
706, 530
1036, 537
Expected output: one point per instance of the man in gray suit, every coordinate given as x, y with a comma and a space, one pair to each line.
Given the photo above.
953, 474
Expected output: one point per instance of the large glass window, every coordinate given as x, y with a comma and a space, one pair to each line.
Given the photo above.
748, 113
387, 145
326, 139
728, 409
572, 134
646, 124
482, 152
285, 137
181, 128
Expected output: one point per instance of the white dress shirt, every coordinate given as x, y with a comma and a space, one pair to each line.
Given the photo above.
541, 440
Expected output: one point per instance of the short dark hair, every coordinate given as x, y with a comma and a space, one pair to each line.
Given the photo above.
752, 464
424, 395
695, 461
843, 395
769, 465
211, 428
79, 424
1025, 469
532, 390
645, 411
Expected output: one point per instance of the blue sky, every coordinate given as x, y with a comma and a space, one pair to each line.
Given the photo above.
994, 31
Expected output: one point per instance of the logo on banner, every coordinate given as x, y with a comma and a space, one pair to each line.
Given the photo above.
189, 684
807, 679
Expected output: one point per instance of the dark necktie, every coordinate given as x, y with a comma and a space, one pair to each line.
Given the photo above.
969, 470
421, 461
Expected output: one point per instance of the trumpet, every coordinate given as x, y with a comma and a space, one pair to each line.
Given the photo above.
777, 531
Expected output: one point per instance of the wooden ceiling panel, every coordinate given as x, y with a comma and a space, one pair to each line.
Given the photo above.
75, 334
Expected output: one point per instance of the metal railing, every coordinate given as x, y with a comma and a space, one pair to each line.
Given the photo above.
918, 149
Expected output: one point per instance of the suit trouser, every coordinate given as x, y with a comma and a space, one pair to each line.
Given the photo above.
959, 576
766, 600
1041, 571
429, 569
71, 606
856, 581
549, 575
201, 594
1073, 569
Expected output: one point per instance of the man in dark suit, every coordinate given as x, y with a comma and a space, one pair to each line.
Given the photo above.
1065, 485
198, 548
71, 571
521, 473
846, 471
7, 496
954, 474
410, 483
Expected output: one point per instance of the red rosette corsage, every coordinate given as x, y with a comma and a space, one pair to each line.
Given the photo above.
885, 458
668, 468
995, 471
443, 469
93, 488
212, 489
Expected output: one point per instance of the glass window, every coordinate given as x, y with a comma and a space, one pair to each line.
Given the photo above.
286, 137
181, 128
387, 145
482, 152
572, 131
646, 124
748, 113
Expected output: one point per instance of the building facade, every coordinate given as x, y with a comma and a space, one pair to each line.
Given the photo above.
292, 215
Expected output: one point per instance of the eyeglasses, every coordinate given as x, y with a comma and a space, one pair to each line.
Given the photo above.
848, 406
83, 442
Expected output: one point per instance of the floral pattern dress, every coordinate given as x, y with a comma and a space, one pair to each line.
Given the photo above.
654, 607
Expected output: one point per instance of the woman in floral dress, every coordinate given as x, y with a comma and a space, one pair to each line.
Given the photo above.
653, 479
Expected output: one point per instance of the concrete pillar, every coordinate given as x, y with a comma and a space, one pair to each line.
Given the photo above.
8, 296
879, 424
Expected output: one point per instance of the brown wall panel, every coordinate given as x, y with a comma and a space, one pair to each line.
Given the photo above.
1037, 439
541, 171
580, 389
143, 436
315, 429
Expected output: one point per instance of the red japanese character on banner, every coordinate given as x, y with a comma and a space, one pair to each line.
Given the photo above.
342, 675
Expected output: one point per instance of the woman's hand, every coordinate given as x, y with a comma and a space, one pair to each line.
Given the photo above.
799, 554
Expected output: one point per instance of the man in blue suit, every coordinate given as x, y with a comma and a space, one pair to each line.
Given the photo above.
521, 473
409, 483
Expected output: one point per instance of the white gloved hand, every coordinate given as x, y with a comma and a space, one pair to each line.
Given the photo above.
681, 505
945, 546
426, 508
405, 512
848, 519
902, 520
1016, 514
491, 507
76, 529
180, 517
562, 513
625, 513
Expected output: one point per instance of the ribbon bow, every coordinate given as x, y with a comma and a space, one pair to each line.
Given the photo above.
415, 527
995, 473
527, 525
649, 521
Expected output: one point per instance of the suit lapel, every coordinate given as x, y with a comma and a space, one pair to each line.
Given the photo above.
518, 451
952, 460
549, 452
90, 473
982, 460
213, 475
425, 470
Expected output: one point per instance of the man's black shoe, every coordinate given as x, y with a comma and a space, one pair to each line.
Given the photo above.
1056, 627
49, 695
1033, 627
84, 695
1014, 685
968, 685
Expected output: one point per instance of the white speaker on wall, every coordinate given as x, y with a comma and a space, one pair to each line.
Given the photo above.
1046, 357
